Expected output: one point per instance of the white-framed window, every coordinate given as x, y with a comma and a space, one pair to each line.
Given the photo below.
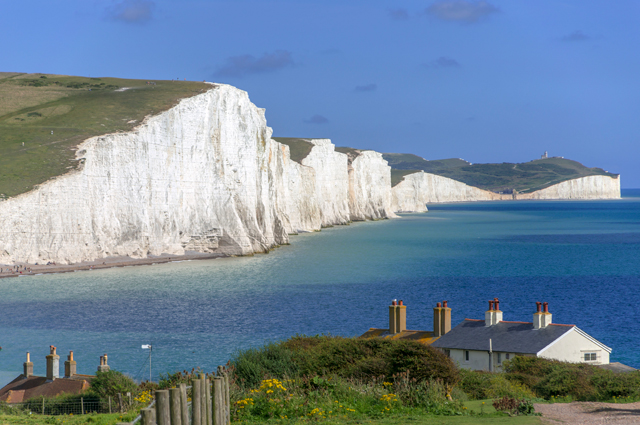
499, 358
466, 355
590, 357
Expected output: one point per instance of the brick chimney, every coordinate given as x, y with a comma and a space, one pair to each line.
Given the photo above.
437, 318
28, 367
397, 317
445, 318
53, 364
69, 366
401, 317
493, 316
542, 317
104, 367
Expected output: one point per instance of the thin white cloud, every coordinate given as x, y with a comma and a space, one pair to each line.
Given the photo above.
240, 66
132, 11
462, 11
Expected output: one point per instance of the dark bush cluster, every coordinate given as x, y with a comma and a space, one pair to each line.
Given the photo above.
362, 359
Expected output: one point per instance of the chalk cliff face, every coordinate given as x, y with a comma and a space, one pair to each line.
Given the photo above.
590, 187
422, 188
419, 189
369, 187
203, 176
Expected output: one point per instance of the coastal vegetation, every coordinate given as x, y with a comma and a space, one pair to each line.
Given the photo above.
505, 177
44, 117
336, 380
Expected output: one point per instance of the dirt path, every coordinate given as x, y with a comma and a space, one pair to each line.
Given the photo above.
587, 413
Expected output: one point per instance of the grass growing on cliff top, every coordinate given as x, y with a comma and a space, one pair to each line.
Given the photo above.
74, 108
298, 148
524, 177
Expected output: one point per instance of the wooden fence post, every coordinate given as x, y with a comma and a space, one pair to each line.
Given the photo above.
82, 405
227, 396
203, 397
207, 392
43, 405
184, 406
218, 415
196, 389
109, 404
148, 416
121, 403
163, 409
176, 411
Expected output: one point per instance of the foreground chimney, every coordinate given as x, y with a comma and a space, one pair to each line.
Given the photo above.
392, 317
445, 318
437, 318
28, 367
493, 316
53, 364
401, 317
69, 366
541, 319
104, 367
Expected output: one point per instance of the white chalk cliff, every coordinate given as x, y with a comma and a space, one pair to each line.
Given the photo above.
418, 189
206, 176
203, 176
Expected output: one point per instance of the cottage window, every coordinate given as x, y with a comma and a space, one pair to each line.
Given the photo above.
507, 356
499, 358
447, 353
466, 355
590, 357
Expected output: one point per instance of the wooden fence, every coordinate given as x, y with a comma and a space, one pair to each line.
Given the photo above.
209, 403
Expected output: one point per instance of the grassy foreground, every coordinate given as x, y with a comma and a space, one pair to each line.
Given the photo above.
525, 177
44, 117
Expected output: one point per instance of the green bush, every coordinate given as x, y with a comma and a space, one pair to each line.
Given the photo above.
361, 359
480, 385
112, 383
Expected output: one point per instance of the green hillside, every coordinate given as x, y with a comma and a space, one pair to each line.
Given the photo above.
298, 148
32, 106
505, 177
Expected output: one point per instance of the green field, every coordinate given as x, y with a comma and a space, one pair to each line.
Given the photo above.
32, 106
525, 177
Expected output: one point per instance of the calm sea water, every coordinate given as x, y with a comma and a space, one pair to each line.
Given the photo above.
581, 257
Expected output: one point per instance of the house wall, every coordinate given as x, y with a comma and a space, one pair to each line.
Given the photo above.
479, 360
571, 348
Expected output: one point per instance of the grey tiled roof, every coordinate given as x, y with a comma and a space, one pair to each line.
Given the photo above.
510, 337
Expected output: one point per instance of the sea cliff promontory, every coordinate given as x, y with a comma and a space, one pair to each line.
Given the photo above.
207, 176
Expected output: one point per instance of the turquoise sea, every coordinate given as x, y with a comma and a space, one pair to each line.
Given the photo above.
581, 257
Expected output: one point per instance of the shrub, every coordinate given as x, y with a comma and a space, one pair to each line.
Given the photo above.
514, 406
112, 383
480, 385
254, 364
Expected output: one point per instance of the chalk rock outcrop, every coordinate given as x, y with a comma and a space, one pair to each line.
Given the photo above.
590, 187
418, 189
369, 187
203, 176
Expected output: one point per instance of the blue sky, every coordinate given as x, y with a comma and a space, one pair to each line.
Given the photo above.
487, 81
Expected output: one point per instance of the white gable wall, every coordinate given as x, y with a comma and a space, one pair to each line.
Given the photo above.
573, 345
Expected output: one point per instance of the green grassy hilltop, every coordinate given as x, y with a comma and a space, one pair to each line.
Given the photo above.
524, 177
32, 106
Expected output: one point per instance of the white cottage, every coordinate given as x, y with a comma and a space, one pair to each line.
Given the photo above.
485, 344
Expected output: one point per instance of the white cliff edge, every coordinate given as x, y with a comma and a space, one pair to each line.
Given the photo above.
419, 189
203, 176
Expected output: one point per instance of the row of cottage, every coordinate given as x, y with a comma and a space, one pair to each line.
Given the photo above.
484, 344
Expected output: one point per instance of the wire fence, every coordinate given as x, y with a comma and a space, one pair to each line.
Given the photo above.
80, 406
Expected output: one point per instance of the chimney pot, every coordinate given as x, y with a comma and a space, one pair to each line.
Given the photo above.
444, 304
496, 303
28, 366
538, 306
491, 305
438, 305
546, 307
400, 303
394, 302
28, 357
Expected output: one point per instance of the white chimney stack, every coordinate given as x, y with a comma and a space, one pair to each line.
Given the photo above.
493, 316
541, 318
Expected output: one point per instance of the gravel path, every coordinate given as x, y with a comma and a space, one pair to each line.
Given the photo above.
586, 413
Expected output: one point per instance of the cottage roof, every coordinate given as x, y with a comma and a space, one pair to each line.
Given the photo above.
21, 388
510, 337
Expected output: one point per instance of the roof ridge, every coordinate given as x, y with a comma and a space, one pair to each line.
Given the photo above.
474, 320
513, 321
558, 324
